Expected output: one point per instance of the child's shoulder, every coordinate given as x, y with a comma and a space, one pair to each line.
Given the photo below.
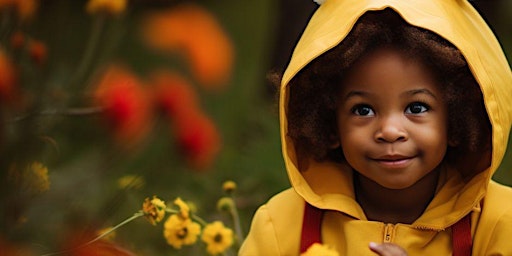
494, 227
497, 191
498, 198
276, 226
496, 207
282, 211
287, 200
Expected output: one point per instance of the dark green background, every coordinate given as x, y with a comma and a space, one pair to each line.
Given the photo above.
84, 165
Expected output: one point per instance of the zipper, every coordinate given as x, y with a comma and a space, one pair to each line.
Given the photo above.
428, 228
388, 233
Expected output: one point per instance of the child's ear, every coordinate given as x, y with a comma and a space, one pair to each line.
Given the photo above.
335, 142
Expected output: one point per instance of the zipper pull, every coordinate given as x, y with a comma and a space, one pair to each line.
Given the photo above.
388, 233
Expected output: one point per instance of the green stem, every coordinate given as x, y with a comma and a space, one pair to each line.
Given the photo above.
67, 112
135, 216
236, 223
73, 111
94, 39
192, 216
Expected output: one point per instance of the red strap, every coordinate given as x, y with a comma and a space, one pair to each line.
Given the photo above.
461, 237
311, 227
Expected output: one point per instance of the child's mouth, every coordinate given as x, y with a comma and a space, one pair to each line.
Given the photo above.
394, 161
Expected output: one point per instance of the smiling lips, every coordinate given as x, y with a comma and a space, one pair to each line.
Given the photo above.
393, 161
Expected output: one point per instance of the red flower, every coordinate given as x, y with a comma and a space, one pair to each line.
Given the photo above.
197, 136
127, 109
194, 31
8, 78
102, 248
76, 245
8, 248
38, 52
173, 94
17, 40
198, 139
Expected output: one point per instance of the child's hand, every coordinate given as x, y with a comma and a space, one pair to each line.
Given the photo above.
387, 249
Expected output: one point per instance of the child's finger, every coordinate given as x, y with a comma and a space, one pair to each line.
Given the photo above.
387, 249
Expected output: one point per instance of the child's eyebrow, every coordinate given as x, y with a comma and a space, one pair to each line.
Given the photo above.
406, 93
356, 93
420, 91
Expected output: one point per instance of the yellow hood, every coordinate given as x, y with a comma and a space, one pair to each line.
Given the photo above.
458, 22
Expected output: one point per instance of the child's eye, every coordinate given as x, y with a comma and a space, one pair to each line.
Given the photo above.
363, 110
416, 108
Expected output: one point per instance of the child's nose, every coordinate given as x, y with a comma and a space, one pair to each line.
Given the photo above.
391, 129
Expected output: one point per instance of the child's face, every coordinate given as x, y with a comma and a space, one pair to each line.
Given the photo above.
392, 119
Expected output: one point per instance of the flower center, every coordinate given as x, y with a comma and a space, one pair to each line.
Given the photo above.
217, 238
182, 234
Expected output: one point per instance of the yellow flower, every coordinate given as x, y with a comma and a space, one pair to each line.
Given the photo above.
317, 249
32, 179
131, 181
113, 7
184, 209
154, 210
35, 178
217, 238
179, 231
229, 186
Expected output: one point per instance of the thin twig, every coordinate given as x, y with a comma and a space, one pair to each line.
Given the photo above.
65, 112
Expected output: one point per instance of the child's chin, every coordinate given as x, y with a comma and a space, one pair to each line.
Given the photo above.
397, 185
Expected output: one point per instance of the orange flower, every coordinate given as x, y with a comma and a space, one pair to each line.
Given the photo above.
24, 8
173, 94
113, 7
5, 3
194, 31
8, 78
198, 139
127, 108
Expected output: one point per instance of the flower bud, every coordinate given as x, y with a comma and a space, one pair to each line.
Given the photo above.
225, 204
229, 186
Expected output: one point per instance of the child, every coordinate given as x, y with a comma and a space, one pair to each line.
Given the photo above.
394, 116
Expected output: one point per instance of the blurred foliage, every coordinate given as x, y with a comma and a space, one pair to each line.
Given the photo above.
65, 174
96, 179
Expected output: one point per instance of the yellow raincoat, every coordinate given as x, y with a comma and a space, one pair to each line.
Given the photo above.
276, 227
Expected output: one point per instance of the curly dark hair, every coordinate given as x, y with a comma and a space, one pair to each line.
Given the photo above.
313, 91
